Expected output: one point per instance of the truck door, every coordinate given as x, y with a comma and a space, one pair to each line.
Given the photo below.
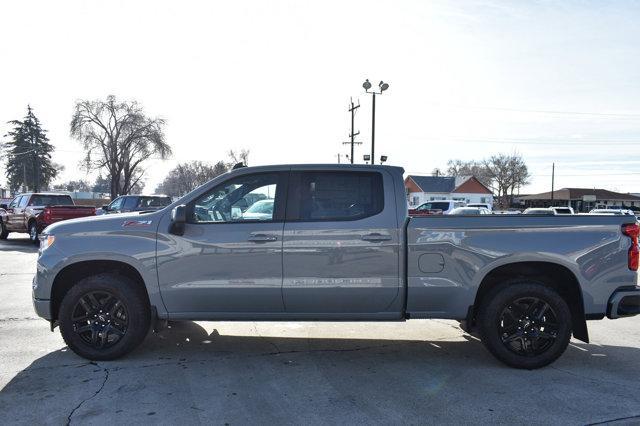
229, 259
341, 243
15, 214
10, 208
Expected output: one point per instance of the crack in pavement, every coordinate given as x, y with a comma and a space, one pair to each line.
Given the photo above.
19, 319
614, 420
104, 382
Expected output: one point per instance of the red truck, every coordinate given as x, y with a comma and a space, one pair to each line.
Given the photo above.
32, 212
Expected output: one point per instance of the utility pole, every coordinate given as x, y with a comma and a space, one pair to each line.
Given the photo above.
553, 177
353, 134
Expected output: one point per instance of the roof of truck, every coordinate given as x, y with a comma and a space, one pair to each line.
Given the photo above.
320, 166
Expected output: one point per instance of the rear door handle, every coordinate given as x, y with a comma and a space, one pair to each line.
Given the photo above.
262, 238
376, 237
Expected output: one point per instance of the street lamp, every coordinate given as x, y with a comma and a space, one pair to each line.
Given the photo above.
382, 86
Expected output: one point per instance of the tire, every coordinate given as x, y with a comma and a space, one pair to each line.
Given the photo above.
3, 231
33, 232
125, 324
524, 324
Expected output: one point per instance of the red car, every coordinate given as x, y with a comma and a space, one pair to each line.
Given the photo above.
32, 212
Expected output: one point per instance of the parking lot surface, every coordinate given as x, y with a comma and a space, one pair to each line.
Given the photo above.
422, 371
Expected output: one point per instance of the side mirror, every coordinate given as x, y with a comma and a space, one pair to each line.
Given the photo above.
4, 206
105, 207
178, 220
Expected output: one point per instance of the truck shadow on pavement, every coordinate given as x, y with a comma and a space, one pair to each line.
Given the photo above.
22, 245
186, 375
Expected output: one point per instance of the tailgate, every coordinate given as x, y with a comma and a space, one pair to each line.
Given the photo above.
70, 212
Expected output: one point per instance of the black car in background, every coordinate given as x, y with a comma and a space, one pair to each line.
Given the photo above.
137, 203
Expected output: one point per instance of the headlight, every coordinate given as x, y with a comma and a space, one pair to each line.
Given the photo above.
46, 241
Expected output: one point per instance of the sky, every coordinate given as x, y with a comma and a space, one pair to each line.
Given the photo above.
553, 81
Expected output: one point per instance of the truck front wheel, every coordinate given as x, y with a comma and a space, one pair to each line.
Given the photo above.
525, 324
33, 232
103, 317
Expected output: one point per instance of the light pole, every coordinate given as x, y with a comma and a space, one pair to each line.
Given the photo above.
382, 86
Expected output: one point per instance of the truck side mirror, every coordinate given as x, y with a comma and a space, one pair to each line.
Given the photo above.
105, 207
178, 220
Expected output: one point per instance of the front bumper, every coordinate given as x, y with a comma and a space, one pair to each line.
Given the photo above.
42, 308
624, 303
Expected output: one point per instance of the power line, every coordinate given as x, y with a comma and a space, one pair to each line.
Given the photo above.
540, 111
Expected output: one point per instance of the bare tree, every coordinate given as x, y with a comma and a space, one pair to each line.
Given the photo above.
118, 137
509, 172
241, 156
185, 177
478, 169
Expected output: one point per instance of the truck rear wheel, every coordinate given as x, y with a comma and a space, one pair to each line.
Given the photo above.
104, 317
3, 231
525, 324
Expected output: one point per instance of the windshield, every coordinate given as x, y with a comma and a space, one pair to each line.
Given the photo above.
435, 205
144, 202
51, 200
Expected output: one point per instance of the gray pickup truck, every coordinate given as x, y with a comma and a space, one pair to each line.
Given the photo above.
334, 242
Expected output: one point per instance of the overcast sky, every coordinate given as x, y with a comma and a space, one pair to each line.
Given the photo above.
553, 81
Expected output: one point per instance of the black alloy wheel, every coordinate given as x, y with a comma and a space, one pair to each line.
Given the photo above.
528, 326
100, 319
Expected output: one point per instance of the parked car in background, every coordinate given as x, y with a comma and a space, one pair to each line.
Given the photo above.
435, 207
481, 205
33, 212
508, 211
470, 211
260, 210
562, 210
540, 211
614, 212
137, 203
338, 246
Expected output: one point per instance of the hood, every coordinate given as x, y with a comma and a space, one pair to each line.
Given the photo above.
109, 222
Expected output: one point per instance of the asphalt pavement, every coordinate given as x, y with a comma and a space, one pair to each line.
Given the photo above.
225, 373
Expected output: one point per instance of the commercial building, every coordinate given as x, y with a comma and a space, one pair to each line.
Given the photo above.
581, 199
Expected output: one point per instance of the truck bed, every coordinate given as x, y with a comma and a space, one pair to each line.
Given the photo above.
448, 257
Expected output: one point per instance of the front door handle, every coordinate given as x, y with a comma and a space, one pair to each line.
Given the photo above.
376, 237
262, 238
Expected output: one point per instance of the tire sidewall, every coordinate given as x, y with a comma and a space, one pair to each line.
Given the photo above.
4, 233
137, 310
495, 303
33, 232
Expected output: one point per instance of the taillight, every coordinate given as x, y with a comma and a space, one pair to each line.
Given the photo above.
632, 230
46, 214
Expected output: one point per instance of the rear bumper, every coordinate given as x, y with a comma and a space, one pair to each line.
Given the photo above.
624, 303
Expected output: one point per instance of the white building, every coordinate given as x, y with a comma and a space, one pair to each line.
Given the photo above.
468, 189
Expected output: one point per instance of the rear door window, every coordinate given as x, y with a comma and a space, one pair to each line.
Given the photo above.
332, 196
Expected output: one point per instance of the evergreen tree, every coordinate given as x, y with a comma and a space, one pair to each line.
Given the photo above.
28, 155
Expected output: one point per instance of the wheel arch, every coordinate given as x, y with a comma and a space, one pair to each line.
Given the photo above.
71, 274
553, 275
